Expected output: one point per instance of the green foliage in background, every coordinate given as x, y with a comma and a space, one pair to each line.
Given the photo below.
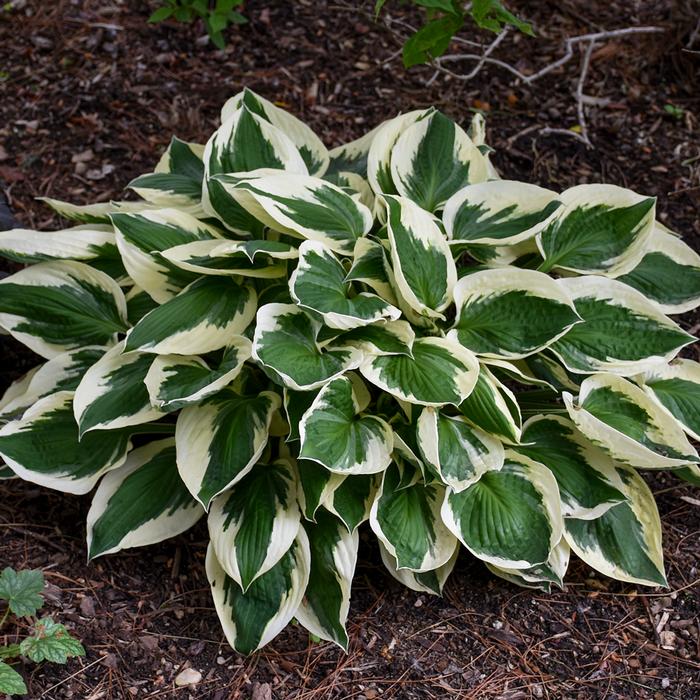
43, 640
445, 18
217, 16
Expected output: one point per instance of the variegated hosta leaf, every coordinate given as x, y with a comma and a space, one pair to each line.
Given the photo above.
510, 313
371, 267
624, 542
492, 406
669, 273
326, 602
432, 159
253, 618
386, 338
138, 304
245, 142
220, 439
61, 305
622, 332
17, 389
43, 447
459, 453
262, 259
588, 481
285, 342
431, 582
439, 371
176, 381
304, 206
599, 228
499, 212
92, 213
407, 521
202, 318
311, 149
112, 393
85, 242
510, 518
352, 157
628, 424
62, 373
315, 484
142, 502
335, 434
676, 388
177, 179
253, 524
350, 497
318, 284
142, 238
379, 155
423, 266
540, 576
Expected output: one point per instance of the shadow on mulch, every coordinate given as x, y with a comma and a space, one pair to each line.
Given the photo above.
93, 94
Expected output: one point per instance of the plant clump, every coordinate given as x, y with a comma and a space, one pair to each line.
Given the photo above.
292, 341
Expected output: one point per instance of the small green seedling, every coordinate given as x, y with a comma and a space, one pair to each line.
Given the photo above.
47, 640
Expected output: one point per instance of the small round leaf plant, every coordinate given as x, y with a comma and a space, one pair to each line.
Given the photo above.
292, 341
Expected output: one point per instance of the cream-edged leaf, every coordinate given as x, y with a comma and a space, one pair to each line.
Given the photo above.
262, 259
622, 332
202, 318
510, 518
434, 158
112, 393
624, 542
311, 149
424, 270
253, 524
498, 213
44, 447
220, 440
142, 238
285, 343
253, 618
628, 424
439, 371
62, 373
84, 242
175, 381
318, 284
598, 228
431, 582
407, 522
676, 388
324, 608
509, 313
493, 407
458, 452
142, 502
669, 273
61, 305
304, 206
588, 481
336, 434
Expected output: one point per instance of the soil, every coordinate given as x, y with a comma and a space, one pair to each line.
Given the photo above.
91, 94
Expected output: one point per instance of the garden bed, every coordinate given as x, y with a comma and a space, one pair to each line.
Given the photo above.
93, 94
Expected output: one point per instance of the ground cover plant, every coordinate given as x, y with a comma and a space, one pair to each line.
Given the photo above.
47, 640
296, 341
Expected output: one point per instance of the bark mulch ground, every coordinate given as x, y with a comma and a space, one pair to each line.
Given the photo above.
90, 94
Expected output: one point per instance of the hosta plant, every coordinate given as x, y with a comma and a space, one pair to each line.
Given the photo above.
292, 342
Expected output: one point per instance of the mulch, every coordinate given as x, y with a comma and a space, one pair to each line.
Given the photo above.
91, 94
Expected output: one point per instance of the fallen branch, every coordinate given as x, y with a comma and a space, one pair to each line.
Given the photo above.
484, 57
